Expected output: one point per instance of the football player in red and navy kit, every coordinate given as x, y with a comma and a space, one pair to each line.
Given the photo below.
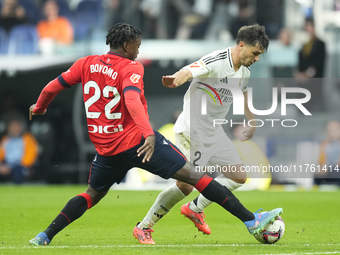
119, 128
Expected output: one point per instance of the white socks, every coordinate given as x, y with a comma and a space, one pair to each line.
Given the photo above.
172, 195
202, 202
164, 202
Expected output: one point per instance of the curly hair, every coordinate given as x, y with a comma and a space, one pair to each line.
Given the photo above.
253, 35
121, 33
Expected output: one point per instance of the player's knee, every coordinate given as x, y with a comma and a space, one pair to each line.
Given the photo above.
184, 187
240, 180
96, 196
240, 177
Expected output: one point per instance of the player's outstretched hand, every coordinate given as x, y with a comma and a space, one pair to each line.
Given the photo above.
169, 81
31, 113
248, 133
147, 148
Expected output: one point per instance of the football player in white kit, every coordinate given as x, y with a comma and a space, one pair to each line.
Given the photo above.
196, 136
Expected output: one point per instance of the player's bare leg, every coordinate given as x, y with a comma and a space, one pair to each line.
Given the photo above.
230, 179
196, 217
174, 194
194, 210
184, 187
220, 194
163, 204
74, 209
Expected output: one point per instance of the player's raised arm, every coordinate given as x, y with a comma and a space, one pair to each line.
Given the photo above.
200, 68
46, 96
177, 79
65, 80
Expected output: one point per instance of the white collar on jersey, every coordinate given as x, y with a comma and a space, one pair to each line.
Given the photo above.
230, 59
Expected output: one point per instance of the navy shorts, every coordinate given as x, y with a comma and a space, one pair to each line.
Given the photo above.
166, 160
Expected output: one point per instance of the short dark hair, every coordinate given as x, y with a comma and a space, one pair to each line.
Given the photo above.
253, 35
309, 20
121, 33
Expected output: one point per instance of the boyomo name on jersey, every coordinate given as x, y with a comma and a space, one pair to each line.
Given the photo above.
103, 69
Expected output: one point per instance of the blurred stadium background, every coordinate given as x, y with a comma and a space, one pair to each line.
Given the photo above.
175, 33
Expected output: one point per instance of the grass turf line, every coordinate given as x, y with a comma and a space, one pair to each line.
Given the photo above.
311, 220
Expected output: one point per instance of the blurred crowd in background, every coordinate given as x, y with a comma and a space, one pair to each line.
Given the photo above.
297, 30
158, 19
63, 22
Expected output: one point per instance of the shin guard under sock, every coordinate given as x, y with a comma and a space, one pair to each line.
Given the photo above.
75, 208
214, 191
200, 203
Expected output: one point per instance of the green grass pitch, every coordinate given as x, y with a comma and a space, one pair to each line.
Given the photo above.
312, 224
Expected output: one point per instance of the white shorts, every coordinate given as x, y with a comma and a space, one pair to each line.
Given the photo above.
220, 153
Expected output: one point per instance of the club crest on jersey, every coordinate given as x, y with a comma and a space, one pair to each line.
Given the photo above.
197, 64
135, 78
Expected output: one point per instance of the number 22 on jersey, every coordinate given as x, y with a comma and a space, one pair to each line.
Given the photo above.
107, 109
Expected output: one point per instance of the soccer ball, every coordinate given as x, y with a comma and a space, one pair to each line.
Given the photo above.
272, 232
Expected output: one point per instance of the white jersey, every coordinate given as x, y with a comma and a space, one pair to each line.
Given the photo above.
212, 69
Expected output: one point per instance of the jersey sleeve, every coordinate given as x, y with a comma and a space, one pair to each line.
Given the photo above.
137, 112
73, 75
133, 77
132, 85
198, 69
208, 66
47, 95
